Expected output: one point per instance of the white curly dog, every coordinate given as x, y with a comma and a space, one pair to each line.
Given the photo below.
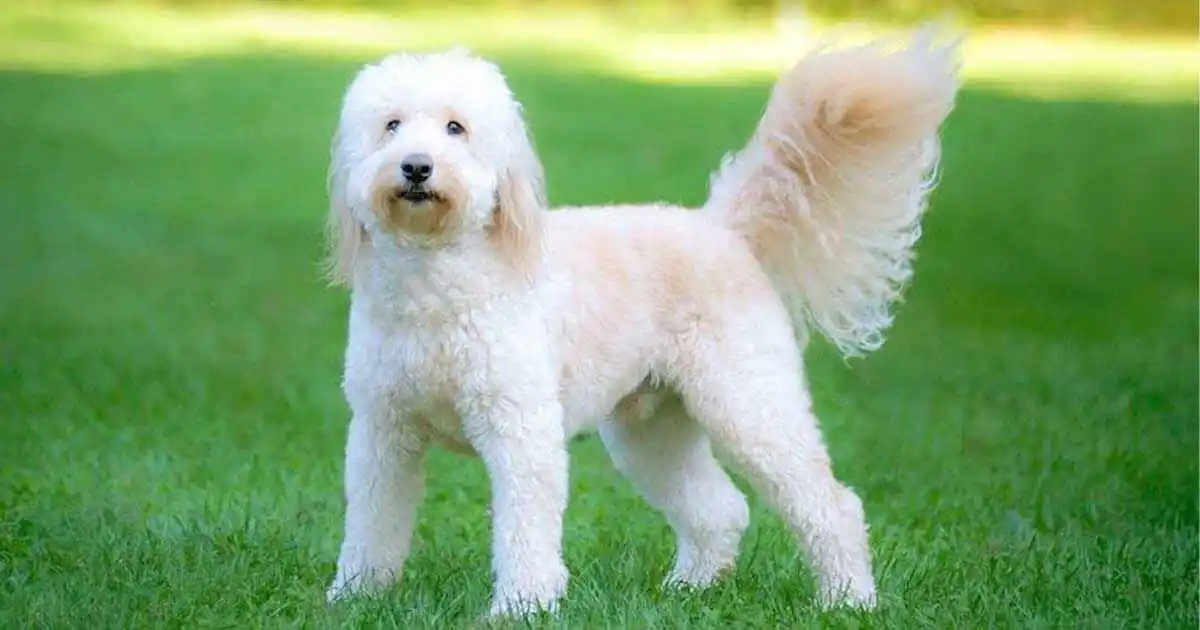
484, 323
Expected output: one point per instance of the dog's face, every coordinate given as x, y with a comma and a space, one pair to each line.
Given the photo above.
430, 148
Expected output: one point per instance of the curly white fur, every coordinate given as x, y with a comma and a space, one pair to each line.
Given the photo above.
483, 323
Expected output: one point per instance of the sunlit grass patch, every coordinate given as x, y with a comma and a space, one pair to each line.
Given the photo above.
67, 37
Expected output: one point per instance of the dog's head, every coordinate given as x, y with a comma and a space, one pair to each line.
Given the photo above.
431, 148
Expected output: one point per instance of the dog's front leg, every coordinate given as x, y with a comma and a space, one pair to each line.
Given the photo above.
384, 480
522, 445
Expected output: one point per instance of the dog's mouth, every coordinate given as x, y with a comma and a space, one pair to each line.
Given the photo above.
417, 194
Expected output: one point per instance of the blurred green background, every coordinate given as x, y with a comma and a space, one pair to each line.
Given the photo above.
171, 428
1150, 15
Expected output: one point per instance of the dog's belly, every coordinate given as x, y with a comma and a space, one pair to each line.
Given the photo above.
583, 411
444, 428
600, 368
591, 392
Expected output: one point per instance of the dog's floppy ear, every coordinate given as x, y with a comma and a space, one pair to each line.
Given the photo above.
345, 235
517, 218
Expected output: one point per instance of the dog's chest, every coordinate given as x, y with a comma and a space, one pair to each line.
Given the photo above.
428, 354
421, 371
417, 378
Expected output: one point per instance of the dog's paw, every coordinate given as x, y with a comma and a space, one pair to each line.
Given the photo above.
360, 582
519, 600
337, 591
699, 568
520, 607
855, 594
690, 581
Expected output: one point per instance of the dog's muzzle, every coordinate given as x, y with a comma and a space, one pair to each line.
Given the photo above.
416, 168
415, 193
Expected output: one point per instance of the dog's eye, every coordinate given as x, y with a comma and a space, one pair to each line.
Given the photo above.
454, 128
392, 125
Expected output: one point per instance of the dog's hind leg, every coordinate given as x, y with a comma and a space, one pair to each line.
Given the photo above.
748, 393
667, 457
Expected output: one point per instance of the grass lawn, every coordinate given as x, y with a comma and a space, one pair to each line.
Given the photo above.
171, 428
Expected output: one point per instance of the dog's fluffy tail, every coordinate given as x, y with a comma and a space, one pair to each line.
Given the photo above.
830, 189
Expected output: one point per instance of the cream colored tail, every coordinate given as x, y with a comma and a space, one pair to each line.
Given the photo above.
830, 190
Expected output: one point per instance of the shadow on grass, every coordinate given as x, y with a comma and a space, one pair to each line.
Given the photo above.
169, 353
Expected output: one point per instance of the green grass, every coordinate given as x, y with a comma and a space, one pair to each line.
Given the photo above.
1026, 443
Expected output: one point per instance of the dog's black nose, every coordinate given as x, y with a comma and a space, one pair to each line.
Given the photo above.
417, 167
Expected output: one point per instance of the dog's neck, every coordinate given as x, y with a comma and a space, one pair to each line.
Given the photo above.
399, 278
